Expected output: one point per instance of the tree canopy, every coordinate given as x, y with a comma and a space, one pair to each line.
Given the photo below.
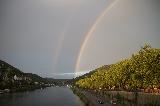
141, 70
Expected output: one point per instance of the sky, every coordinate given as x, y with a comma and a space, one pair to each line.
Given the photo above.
60, 38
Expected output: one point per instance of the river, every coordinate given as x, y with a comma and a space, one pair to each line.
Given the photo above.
51, 96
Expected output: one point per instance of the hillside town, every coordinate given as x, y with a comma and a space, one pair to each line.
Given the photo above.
12, 80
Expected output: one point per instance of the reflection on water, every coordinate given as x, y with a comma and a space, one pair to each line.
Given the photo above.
52, 96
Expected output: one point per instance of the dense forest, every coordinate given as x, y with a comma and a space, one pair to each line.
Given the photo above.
140, 71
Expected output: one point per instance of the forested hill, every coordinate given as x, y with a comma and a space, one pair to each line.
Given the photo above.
74, 80
140, 71
11, 77
5, 67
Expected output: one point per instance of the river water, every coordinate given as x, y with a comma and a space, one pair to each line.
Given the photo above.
51, 96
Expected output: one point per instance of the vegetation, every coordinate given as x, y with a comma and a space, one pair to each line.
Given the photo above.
74, 80
140, 71
15, 80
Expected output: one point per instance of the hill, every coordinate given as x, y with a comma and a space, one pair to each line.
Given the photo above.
74, 80
140, 71
13, 78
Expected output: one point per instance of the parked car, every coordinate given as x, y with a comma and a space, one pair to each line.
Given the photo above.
113, 102
100, 102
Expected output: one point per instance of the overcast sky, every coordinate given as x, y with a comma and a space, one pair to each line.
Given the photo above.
45, 36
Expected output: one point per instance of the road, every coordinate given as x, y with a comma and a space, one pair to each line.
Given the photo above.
94, 99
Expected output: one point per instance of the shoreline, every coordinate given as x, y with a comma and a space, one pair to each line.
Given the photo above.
89, 98
22, 89
117, 98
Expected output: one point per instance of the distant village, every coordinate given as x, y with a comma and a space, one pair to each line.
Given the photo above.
12, 79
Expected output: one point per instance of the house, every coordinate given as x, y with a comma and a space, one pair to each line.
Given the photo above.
27, 78
36, 83
17, 78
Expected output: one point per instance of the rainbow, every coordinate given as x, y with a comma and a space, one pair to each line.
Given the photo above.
89, 33
60, 41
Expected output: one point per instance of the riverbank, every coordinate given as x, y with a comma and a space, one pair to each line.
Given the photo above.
116, 98
82, 96
23, 88
132, 98
91, 98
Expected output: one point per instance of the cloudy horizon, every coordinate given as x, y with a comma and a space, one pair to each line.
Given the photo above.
49, 37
